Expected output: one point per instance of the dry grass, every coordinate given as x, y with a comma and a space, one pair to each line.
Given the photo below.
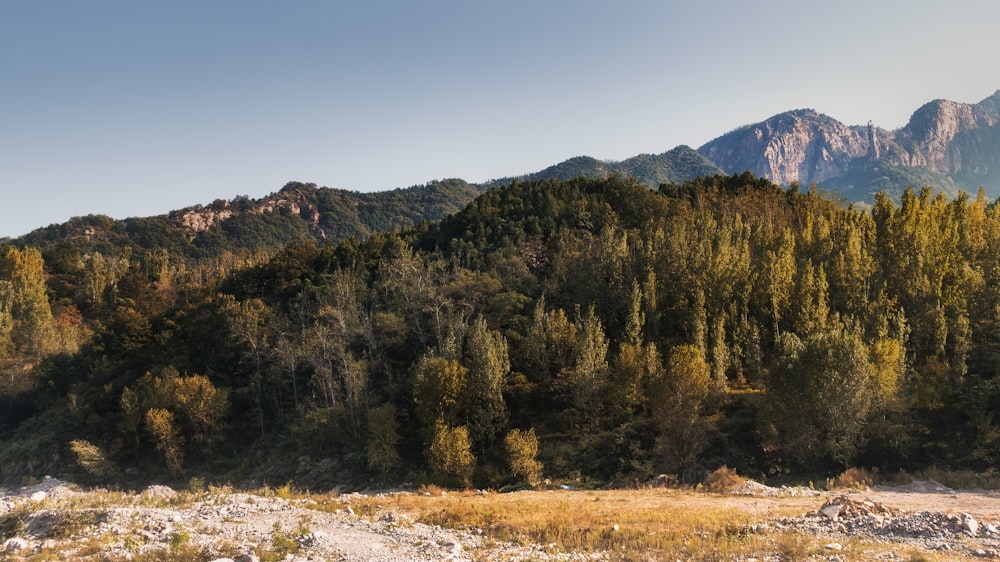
957, 479
854, 478
633, 524
649, 524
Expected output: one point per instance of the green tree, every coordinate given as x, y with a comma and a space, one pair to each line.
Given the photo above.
383, 434
488, 365
679, 402
820, 394
438, 387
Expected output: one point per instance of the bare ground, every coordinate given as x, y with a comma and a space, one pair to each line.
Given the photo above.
56, 521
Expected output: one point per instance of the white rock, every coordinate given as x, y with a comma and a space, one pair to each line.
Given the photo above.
15, 544
835, 546
38, 496
452, 549
970, 524
831, 511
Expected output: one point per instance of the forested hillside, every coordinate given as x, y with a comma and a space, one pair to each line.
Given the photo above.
589, 329
247, 227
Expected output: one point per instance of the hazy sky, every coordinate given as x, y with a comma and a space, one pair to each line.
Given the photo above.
134, 108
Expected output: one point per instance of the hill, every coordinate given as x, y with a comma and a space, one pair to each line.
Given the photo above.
674, 166
590, 329
298, 212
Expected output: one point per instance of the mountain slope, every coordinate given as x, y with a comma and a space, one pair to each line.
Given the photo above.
298, 212
945, 144
674, 166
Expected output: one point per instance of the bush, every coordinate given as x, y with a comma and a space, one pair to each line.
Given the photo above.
855, 478
723, 479
91, 458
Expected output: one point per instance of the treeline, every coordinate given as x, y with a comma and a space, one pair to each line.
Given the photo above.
572, 329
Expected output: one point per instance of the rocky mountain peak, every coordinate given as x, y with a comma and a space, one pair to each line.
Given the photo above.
802, 145
946, 144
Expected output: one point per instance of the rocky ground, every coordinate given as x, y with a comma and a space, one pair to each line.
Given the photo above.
54, 520
60, 522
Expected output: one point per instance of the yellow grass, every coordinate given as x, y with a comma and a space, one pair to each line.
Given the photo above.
650, 524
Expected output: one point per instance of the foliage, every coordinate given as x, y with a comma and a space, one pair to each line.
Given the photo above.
723, 480
722, 320
382, 438
92, 459
450, 456
168, 440
522, 450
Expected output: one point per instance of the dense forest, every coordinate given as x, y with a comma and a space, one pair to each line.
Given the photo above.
586, 329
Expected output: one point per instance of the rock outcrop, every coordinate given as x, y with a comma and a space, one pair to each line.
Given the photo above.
947, 144
803, 146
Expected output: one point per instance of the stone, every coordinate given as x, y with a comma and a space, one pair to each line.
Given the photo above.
38, 496
15, 544
248, 558
970, 524
831, 511
834, 546
452, 549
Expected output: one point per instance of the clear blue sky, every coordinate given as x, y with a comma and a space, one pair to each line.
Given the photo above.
134, 108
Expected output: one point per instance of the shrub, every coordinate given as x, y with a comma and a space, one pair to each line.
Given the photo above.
723, 479
855, 478
91, 458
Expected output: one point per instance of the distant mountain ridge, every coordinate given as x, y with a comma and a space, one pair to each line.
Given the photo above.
674, 166
298, 212
947, 145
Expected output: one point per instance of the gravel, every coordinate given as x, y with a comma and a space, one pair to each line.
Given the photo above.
235, 526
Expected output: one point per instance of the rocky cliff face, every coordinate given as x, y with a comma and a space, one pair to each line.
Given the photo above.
802, 145
958, 142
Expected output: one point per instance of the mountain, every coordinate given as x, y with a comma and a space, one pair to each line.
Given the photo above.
298, 212
674, 166
945, 144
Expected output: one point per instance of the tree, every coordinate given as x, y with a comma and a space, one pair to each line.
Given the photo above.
821, 392
588, 380
201, 405
488, 366
167, 438
249, 325
438, 387
522, 453
382, 438
679, 405
450, 455
25, 314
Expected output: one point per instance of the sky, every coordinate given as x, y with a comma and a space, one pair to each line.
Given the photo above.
135, 108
